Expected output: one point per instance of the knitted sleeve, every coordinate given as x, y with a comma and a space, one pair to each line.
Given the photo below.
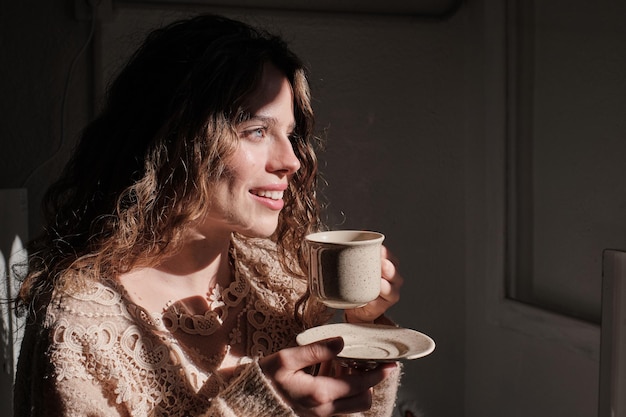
56, 380
253, 395
87, 358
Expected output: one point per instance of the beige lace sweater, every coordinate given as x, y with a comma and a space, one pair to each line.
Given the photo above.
95, 353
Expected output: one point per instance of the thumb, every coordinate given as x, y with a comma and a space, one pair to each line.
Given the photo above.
313, 353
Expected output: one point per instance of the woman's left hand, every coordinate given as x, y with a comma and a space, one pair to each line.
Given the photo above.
390, 284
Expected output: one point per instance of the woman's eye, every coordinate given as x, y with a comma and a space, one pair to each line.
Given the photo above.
257, 133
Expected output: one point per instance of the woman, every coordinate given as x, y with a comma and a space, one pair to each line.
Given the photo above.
170, 279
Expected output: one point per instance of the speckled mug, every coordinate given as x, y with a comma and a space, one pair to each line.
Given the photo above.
344, 268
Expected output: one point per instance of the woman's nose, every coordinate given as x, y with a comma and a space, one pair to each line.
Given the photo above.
283, 157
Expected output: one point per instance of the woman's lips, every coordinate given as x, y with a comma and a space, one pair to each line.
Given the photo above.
274, 195
272, 199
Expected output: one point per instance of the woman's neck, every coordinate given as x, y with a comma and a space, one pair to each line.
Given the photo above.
190, 273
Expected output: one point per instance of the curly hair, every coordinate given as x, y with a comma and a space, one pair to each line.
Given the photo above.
142, 171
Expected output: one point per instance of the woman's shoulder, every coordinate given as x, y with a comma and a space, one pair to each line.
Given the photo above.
93, 302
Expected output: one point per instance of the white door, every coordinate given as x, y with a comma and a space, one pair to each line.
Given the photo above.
545, 195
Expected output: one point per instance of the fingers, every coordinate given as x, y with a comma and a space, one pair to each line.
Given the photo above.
361, 399
325, 368
386, 254
354, 404
347, 393
390, 289
392, 280
390, 284
320, 395
301, 357
389, 268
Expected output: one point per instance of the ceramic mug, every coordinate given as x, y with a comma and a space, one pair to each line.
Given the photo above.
344, 267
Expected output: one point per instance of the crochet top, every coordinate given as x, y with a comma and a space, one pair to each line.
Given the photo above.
96, 353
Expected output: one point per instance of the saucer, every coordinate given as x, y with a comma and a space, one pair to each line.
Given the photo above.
372, 342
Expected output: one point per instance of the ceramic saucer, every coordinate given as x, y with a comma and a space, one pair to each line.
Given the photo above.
372, 343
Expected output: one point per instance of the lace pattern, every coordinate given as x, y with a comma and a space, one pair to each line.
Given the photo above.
100, 337
220, 302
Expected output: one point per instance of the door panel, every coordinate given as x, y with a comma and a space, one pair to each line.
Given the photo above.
545, 197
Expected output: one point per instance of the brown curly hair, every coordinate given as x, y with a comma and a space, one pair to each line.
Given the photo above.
142, 172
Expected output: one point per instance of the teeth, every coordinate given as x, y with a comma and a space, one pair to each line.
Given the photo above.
274, 195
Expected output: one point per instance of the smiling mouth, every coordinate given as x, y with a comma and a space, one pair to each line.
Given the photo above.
273, 195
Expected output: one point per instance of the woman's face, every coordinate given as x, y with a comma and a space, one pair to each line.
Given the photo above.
249, 197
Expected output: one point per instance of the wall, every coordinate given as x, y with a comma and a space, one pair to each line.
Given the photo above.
388, 92
38, 41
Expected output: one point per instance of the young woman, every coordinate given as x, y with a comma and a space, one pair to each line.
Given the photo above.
170, 279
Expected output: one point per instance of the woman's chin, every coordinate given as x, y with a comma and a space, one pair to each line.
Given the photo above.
259, 231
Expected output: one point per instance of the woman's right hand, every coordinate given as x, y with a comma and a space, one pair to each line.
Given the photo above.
321, 395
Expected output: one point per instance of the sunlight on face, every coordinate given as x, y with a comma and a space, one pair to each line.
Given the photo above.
249, 197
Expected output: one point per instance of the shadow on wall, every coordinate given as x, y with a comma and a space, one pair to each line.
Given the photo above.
13, 256
11, 327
